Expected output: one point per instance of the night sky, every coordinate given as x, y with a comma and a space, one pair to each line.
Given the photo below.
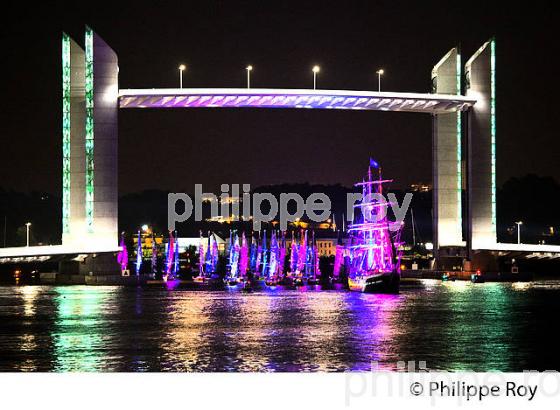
350, 40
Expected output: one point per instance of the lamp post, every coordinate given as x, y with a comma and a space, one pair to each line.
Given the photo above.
379, 73
519, 223
249, 68
27, 225
182, 68
315, 70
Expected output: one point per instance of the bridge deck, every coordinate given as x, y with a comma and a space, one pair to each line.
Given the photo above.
521, 247
29, 251
292, 98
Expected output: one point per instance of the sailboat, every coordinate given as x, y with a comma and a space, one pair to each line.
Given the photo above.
271, 275
170, 264
374, 241
122, 257
313, 262
243, 258
153, 267
281, 257
300, 278
233, 277
139, 254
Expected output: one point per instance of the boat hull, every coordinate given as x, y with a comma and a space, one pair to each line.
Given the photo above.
376, 283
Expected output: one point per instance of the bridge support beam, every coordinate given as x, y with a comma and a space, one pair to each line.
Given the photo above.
447, 158
73, 141
101, 199
90, 141
480, 73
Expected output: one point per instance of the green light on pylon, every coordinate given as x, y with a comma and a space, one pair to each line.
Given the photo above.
66, 84
459, 153
493, 125
89, 140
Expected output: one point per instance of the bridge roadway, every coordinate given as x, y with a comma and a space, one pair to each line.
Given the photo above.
30, 253
292, 98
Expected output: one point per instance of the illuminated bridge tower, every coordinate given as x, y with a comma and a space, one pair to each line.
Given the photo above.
90, 119
480, 77
447, 160
73, 140
449, 176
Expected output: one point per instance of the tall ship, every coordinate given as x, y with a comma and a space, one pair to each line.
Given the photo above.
374, 241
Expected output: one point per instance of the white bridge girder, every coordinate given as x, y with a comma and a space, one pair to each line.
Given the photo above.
292, 98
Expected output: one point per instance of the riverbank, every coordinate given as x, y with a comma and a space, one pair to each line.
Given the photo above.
54, 278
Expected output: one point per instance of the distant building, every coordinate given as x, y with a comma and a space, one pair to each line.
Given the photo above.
326, 246
184, 243
420, 187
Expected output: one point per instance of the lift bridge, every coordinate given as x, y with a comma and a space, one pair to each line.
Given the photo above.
463, 150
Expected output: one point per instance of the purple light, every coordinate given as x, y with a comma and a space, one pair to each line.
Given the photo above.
139, 254
373, 248
290, 98
122, 256
243, 256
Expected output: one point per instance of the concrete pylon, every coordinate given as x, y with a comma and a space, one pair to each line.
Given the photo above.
90, 141
447, 156
73, 141
480, 75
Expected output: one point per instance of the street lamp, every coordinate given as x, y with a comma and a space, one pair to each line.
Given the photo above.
249, 68
182, 68
519, 223
315, 70
379, 73
27, 225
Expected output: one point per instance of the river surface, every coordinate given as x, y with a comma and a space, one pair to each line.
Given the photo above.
449, 326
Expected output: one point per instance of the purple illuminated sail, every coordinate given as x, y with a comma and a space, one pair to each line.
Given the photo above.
273, 264
282, 255
139, 254
302, 255
201, 256
234, 251
293, 254
154, 255
253, 254
176, 255
259, 255
122, 256
243, 256
170, 256
213, 254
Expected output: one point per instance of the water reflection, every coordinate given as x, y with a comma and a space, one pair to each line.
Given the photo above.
80, 335
376, 329
450, 326
274, 331
27, 340
29, 295
465, 327
478, 326
183, 339
322, 340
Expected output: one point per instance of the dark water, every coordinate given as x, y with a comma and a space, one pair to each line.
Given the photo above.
451, 326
